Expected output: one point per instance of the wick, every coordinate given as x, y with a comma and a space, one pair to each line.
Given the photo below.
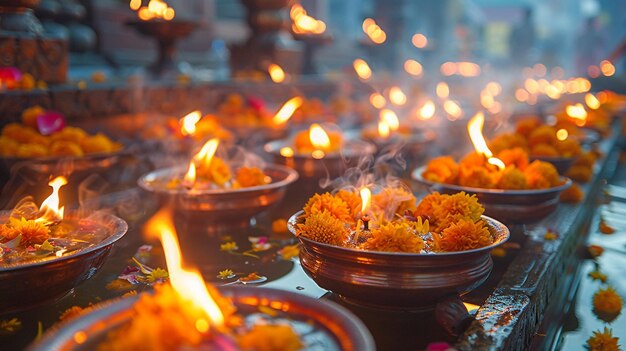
366, 222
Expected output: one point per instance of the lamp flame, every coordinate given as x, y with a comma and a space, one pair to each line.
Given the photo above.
276, 73
156, 9
397, 96
373, 31
390, 117
578, 113
377, 100
452, 109
49, 210
188, 123
205, 155
287, 110
190, 177
592, 101
318, 137
562, 134
475, 130
362, 69
366, 198
383, 129
427, 111
188, 284
419, 40
413, 68
303, 23
442, 90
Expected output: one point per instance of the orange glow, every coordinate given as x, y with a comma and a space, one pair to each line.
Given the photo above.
531, 85
468, 69
397, 96
377, 100
303, 23
427, 111
276, 73
562, 134
448, 68
607, 68
442, 90
494, 88
286, 111
578, 113
373, 31
390, 117
188, 123
49, 210
553, 92
521, 95
452, 109
189, 180
486, 99
592, 101
156, 9
540, 70
187, 283
205, 155
475, 130
319, 138
366, 198
383, 129
413, 68
362, 69
286, 151
419, 40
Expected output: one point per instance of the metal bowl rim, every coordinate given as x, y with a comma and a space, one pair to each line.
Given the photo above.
53, 159
291, 176
55, 335
417, 176
120, 225
273, 147
497, 226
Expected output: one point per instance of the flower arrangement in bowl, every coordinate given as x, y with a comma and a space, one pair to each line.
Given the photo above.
392, 252
509, 186
233, 189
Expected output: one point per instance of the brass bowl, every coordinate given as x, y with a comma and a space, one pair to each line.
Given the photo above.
326, 325
396, 280
28, 285
230, 205
48, 165
511, 206
332, 165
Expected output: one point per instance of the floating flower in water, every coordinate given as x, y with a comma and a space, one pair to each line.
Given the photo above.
282, 338
9, 326
31, 231
595, 250
259, 243
574, 194
607, 301
279, 225
226, 274
605, 228
603, 341
550, 235
288, 252
597, 275
229, 246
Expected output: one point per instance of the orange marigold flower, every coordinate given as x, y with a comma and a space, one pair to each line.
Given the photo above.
18, 132
586, 159
573, 194
250, 176
605, 228
352, 200
335, 206
595, 250
456, 207
217, 171
541, 175
516, 156
269, 337
323, 227
8, 147
73, 312
473, 159
476, 177
527, 125
603, 341
395, 201
441, 170
581, 174
279, 225
597, 275
65, 148
98, 143
464, 235
31, 150
394, 237
7, 233
32, 232
551, 235
543, 135
73, 134
607, 303
544, 150
569, 148
512, 178
29, 115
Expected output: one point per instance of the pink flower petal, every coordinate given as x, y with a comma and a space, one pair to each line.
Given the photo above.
50, 122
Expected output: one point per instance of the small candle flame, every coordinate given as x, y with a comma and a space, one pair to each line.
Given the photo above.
318, 137
452, 109
276, 73
190, 177
383, 129
607, 68
427, 111
442, 90
475, 129
373, 31
562, 134
413, 68
377, 100
286, 151
287, 110
188, 123
578, 113
390, 118
187, 283
303, 23
419, 40
50, 211
205, 155
366, 198
362, 69
592, 101
397, 96
156, 9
